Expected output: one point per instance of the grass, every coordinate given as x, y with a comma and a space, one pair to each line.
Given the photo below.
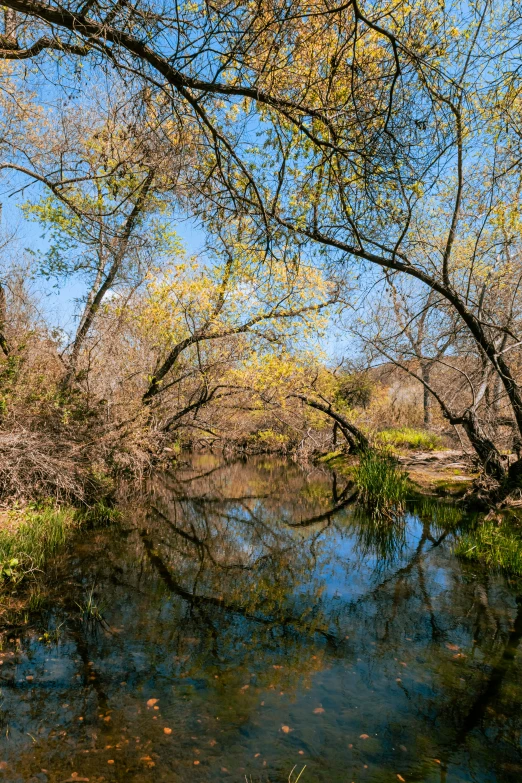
496, 545
90, 610
448, 486
383, 487
100, 514
409, 438
331, 455
29, 536
52, 635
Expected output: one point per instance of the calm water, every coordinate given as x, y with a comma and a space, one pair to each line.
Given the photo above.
252, 625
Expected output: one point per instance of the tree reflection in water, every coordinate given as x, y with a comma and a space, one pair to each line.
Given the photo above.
252, 596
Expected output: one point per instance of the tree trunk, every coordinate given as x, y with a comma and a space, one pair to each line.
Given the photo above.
425, 373
96, 297
494, 464
355, 438
4, 346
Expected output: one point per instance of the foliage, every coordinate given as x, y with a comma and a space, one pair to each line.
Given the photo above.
281, 303
83, 220
356, 390
269, 440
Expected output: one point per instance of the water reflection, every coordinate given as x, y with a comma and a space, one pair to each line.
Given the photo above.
274, 625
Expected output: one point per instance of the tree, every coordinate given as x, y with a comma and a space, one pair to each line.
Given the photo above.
106, 211
418, 334
425, 334
387, 134
202, 321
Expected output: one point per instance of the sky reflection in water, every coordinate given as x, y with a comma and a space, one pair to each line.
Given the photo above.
273, 632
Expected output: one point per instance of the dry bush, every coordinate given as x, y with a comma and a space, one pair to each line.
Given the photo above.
59, 444
34, 465
40, 435
62, 443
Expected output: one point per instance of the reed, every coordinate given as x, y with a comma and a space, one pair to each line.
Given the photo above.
382, 486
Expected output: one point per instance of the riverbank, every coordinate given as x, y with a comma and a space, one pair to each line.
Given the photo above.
491, 537
442, 473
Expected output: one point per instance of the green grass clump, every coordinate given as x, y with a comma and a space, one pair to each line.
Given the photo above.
383, 487
31, 536
409, 438
100, 514
497, 546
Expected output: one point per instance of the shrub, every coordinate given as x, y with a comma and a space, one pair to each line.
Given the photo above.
267, 441
356, 389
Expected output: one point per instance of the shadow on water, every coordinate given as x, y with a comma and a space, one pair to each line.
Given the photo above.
246, 619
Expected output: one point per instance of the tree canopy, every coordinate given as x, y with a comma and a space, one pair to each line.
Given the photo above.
376, 143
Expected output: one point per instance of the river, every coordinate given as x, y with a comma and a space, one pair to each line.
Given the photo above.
245, 621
